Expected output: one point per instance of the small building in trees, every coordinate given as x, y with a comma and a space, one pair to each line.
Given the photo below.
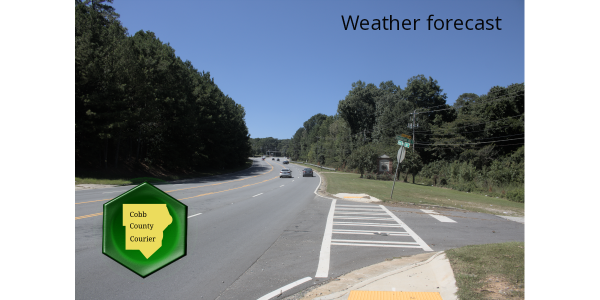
384, 164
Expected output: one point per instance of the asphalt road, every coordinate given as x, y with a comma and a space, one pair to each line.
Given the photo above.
252, 233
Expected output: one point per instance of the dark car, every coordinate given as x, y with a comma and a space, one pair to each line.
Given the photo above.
278, 159
307, 172
273, 158
285, 162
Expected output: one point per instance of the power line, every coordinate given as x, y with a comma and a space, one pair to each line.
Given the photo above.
502, 97
506, 145
470, 143
478, 123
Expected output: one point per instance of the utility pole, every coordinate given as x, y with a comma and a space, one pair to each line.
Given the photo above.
413, 128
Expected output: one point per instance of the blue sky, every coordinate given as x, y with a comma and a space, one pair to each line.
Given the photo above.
286, 61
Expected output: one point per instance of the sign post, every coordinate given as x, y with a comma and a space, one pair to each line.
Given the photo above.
404, 141
400, 158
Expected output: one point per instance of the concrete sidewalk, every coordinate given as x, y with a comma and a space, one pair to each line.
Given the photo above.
427, 272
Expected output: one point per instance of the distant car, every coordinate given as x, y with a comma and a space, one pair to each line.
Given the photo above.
285, 173
278, 159
285, 162
307, 172
272, 158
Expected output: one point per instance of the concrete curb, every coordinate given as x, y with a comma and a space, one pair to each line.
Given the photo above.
361, 284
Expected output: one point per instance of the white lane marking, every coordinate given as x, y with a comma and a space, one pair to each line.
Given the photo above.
194, 215
360, 213
323, 267
372, 231
280, 291
358, 209
281, 185
257, 195
370, 206
363, 218
410, 231
437, 216
375, 245
376, 242
369, 233
113, 192
367, 225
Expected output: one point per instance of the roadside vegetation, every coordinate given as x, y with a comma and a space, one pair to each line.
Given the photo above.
477, 145
491, 271
138, 104
420, 194
123, 176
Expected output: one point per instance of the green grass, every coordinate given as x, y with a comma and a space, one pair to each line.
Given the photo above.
120, 177
491, 271
420, 194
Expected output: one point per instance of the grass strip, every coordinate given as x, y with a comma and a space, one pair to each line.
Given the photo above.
491, 271
341, 182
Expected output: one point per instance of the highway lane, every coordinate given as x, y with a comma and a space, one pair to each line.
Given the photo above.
262, 233
232, 232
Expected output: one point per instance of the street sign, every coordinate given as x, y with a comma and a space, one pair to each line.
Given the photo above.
406, 136
401, 154
404, 144
403, 139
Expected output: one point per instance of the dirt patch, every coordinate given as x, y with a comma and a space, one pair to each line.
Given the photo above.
499, 288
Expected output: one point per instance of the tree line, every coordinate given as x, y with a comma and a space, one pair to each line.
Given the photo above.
475, 144
136, 100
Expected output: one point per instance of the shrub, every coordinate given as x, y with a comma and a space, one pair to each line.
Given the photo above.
516, 196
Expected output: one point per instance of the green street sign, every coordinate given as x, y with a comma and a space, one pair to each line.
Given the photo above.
144, 229
403, 139
405, 144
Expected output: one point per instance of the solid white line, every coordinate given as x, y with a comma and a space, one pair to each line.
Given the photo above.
280, 291
257, 195
342, 205
438, 217
323, 267
364, 218
362, 223
360, 213
412, 233
370, 231
194, 215
281, 185
375, 245
359, 209
377, 242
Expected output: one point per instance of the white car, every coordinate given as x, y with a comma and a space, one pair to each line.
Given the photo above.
285, 173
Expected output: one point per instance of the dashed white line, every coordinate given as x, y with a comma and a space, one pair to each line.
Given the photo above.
257, 195
280, 291
437, 216
194, 215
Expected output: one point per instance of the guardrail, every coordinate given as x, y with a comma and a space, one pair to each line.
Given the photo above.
316, 166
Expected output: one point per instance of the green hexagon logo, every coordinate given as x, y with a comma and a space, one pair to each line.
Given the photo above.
144, 229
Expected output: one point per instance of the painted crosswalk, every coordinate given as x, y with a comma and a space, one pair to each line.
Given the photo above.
376, 221
377, 226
